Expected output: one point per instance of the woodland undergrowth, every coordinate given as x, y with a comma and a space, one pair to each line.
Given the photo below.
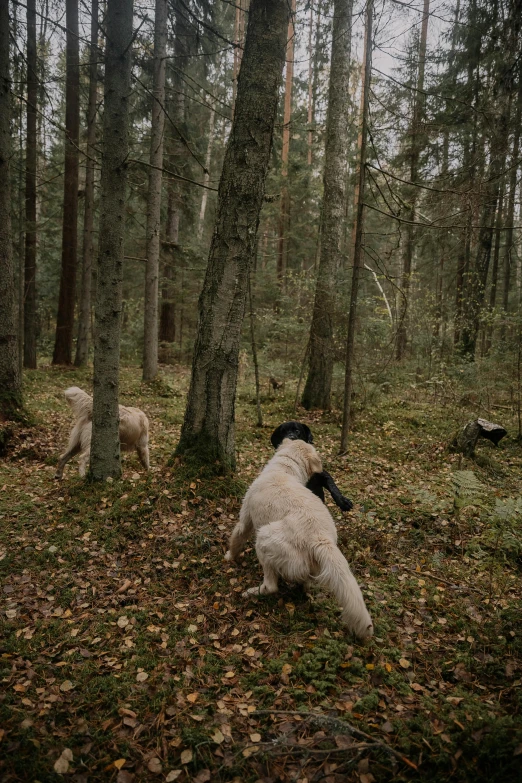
128, 653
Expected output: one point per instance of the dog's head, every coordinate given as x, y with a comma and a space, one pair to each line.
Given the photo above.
303, 454
293, 430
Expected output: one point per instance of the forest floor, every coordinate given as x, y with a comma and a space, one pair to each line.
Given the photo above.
128, 653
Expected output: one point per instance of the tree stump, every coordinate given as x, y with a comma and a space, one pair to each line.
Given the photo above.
465, 441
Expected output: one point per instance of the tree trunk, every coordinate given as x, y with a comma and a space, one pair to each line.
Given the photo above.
410, 215
10, 379
167, 330
207, 435
150, 341
66, 299
284, 208
488, 329
105, 448
310, 83
30, 193
318, 385
508, 252
206, 178
84, 320
359, 225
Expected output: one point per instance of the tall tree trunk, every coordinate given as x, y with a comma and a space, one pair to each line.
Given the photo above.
30, 193
150, 341
318, 385
167, 331
10, 379
359, 225
488, 329
207, 435
284, 208
310, 83
66, 300
105, 448
510, 216
84, 320
411, 211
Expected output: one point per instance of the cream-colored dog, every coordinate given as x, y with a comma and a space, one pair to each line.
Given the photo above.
134, 431
295, 533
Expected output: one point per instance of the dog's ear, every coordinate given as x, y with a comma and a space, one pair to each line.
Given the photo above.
314, 462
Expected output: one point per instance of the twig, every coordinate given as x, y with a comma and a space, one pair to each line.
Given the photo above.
466, 586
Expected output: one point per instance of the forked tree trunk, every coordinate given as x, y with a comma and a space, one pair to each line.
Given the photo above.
84, 320
10, 379
207, 435
66, 299
318, 385
105, 449
30, 193
358, 226
411, 212
150, 341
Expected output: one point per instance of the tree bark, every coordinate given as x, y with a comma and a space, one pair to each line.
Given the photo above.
150, 341
284, 207
508, 252
409, 228
206, 177
105, 448
10, 379
167, 330
318, 385
30, 193
359, 226
66, 299
84, 320
207, 435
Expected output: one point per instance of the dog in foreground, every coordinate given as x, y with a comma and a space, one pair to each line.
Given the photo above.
134, 431
295, 534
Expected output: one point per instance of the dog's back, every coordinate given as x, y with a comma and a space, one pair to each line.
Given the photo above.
80, 402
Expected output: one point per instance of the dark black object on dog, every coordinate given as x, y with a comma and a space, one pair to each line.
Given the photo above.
319, 481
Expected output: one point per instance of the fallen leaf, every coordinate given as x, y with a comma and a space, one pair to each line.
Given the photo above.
173, 775
154, 765
404, 663
61, 765
142, 676
66, 686
387, 727
217, 737
119, 763
202, 777
186, 756
124, 777
286, 668
192, 697
229, 675
255, 737
250, 652
122, 621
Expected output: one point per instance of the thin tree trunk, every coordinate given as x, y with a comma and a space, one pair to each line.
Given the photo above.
67, 296
105, 449
284, 208
84, 320
359, 227
150, 341
30, 193
207, 435
239, 27
10, 378
167, 331
488, 329
318, 385
510, 216
409, 228
254, 356
206, 177
310, 83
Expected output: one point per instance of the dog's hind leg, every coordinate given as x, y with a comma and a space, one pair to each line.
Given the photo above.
72, 449
86, 449
240, 535
269, 585
143, 454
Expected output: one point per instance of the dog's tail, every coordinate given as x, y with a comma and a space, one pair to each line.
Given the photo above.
336, 576
80, 403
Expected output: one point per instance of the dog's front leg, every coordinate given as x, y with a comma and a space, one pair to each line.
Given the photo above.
344, 503
64, 459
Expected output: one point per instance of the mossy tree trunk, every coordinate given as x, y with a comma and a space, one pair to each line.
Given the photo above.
10, 380
318, 385
207, 435
105, 448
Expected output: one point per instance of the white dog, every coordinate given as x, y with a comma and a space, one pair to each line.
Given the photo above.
295, 534
134, 431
